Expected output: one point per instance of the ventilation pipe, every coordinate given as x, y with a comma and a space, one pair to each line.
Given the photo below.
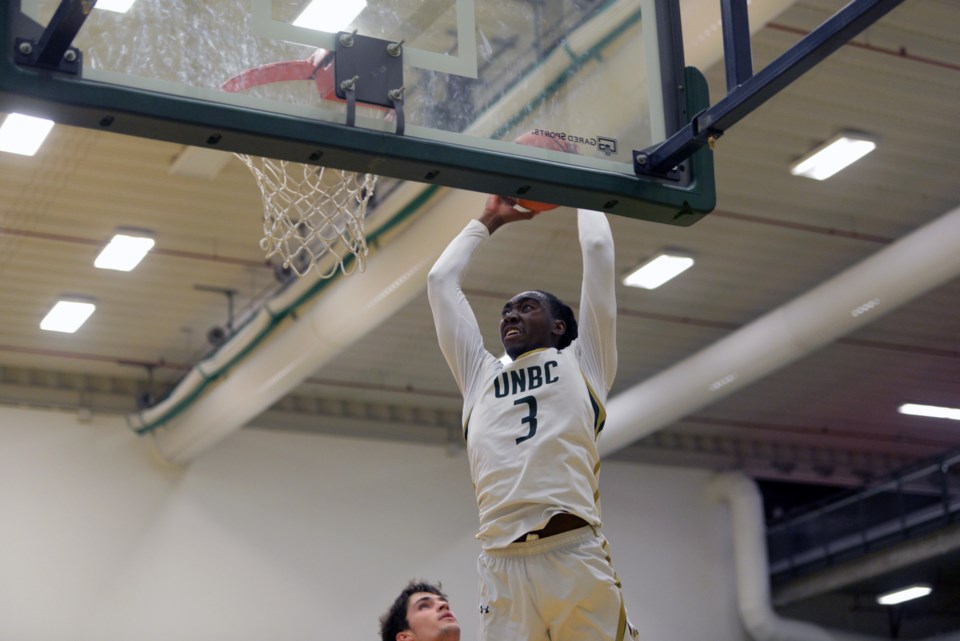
909, 267
913, 265
235, 389
752, 573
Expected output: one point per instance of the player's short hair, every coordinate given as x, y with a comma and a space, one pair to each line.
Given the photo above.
394, 621
561, 311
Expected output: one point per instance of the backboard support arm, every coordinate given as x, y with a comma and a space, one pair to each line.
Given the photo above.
736, 42
746, 92
53, 50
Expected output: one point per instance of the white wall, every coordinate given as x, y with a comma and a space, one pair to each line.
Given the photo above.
292, 537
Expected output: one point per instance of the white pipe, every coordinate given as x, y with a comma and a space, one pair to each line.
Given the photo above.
752, 573
345, 313
913, 265
909, 267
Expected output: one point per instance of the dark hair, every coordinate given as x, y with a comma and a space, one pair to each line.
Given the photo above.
394, 621
561, 311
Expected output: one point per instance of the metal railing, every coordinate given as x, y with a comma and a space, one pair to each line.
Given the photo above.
911, 502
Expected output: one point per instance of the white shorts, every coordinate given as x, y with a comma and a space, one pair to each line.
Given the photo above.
561, 588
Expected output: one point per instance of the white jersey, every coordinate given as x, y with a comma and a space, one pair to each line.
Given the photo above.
531, 426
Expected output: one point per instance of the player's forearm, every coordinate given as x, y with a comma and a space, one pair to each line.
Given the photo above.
446, 272
598, 304
594, 231
454, 320
596, 244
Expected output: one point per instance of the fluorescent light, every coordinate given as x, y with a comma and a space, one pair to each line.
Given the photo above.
829, 158
67, 316
23, 135
932, 411
330, 16
120, 6
124, 251
657, 271
905, 594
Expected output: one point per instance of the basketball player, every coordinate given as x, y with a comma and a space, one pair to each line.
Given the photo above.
420, 613
531, 428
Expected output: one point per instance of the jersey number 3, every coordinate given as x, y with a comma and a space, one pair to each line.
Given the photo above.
530, 419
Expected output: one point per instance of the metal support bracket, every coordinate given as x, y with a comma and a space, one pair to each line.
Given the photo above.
369, 70
749, 92
736, 42
396, 97
52, 49
217, 336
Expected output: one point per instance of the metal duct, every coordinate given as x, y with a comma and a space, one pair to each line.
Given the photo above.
344, 313
913, 265
752, 573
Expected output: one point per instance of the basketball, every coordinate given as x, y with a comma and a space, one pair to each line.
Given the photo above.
544, 140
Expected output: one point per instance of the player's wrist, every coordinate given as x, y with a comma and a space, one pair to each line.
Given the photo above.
491, 221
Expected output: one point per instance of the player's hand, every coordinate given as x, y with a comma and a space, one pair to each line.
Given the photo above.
500, 210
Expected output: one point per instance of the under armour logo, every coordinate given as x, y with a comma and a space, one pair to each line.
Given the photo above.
484, 609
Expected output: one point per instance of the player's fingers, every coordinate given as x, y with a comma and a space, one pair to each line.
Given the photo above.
505, 205
519, 212
499, 206
507, 202
508, 209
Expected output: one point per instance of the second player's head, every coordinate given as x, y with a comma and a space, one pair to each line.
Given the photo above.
420, 613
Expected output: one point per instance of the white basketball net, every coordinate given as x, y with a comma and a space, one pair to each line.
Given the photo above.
313, 216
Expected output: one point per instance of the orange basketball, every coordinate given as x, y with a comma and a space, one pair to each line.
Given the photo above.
544, 140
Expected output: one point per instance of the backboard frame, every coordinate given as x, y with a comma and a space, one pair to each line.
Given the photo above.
66, 98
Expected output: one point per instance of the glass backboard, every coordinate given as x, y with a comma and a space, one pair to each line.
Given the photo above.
468, 77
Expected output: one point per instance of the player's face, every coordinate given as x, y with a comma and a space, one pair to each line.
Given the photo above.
527, 324
430, 619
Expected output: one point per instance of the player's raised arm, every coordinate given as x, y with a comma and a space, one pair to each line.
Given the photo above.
457, 329
598, 304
